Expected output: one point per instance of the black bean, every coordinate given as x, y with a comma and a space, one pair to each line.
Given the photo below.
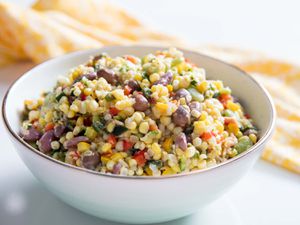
45, 141
108, 75
181, 141
182, 93
134, 85
90, 160
181, 117
141, 103
165, 79
31, 134
74, 141
116, 169
59, 130
250, 131
195, 106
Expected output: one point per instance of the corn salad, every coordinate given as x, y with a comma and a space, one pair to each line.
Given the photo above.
150, 116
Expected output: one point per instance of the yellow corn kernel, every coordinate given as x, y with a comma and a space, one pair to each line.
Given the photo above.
156, 151
154, 77
118, 94
168, 171
110, 127
88, 91
83, 146
48, 116
218, 84
219, 126
203, 116
42, 122
79, 121
116, 157
233, 106
137, 117
202, 87
144, 127
148, 171
170, 87
71, 114
167, 145
176, 168
106, 147
121, 105
162, 107
104, 159
138, 77
253, 138
233, 128
199, 127
90, 133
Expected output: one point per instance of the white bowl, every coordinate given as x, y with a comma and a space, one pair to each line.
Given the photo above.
137, 199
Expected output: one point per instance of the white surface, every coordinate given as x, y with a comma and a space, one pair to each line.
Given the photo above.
267, 195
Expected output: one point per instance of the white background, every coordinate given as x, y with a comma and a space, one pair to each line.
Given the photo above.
267, 195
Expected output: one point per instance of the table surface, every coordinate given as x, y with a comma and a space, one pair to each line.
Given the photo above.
266, 195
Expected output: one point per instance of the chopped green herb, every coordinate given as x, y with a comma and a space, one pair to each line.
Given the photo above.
216, 95
182, 164
58, 97
109, 97
119, 130
98, 123
193, 83
158, 163
147, 92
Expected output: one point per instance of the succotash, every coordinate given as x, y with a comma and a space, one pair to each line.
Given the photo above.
150, 116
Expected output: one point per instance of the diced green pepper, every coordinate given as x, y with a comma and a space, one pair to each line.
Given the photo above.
196, 95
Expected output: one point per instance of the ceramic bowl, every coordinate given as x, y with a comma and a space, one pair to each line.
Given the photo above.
137, 199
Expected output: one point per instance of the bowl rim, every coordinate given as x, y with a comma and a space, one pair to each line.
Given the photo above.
254, 148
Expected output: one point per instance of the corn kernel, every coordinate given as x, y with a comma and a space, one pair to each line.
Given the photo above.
132, 163
106, 147
162, 107
90, 133
233, 128
105, 159
170, 87
118, 94
233, 106
116, 157
253, 138
219, 126
156, 151
203, 116
154, 77
110, 127
110, 165
165, 120
138, 77
144, 127
88, 91
167, 145
83, 146
168, 171
138, 117
218, 84
199, 127
148, 171
202, 87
